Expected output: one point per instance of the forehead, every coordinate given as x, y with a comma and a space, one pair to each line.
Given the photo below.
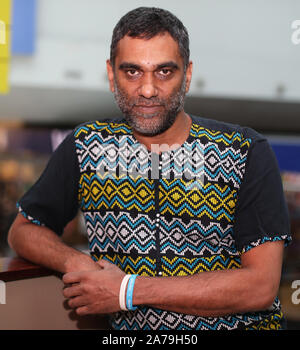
148, 52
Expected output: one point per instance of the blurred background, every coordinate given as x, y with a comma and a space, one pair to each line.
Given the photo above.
246, 58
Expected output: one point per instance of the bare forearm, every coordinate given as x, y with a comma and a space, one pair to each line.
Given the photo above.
43, 247
209, 294
253, 287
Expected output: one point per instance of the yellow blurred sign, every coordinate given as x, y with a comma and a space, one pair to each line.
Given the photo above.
5, 35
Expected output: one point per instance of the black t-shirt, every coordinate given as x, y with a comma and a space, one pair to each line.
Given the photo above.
164, 226
52, 201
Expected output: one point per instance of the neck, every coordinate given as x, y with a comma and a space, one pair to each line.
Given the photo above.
175, 136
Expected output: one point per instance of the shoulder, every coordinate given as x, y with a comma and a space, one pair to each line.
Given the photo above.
219, 128
103, 126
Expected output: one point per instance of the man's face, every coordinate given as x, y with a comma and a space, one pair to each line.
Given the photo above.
149, 82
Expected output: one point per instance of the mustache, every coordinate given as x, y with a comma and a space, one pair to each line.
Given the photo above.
153, 101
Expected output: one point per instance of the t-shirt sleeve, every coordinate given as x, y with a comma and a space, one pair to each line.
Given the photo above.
261, 212
52, 200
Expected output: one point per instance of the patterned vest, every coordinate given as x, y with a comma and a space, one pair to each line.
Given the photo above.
166, 215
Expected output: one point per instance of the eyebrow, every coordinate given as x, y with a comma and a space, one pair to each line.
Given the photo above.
169, 64
128, 65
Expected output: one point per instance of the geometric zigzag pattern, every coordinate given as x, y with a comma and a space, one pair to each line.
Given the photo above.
126, 235
176, 266
154, 319
175, 221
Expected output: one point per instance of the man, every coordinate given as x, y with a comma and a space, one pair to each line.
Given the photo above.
192, 208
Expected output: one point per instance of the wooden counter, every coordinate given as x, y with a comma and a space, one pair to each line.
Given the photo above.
14, 269
34, 300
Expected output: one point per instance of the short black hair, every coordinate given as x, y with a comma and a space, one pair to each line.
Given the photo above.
147, 22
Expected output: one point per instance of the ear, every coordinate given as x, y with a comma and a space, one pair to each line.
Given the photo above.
189, 73
110, 75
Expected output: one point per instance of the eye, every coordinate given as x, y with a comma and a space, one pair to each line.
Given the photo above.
132, 73
165, 72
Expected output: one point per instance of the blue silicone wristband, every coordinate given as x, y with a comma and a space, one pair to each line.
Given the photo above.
129, 293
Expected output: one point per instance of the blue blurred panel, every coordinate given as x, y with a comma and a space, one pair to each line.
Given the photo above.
288, 156
23, 27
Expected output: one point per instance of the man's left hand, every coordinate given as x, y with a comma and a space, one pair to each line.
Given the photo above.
96, 291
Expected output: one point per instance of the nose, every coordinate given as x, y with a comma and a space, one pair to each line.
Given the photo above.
147, 88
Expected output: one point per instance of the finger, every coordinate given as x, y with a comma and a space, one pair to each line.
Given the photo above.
72, 277
83, 310
72, 291
77, 302
99, 263
103, 263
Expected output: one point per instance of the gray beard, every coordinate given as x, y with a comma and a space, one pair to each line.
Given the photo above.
173, 106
